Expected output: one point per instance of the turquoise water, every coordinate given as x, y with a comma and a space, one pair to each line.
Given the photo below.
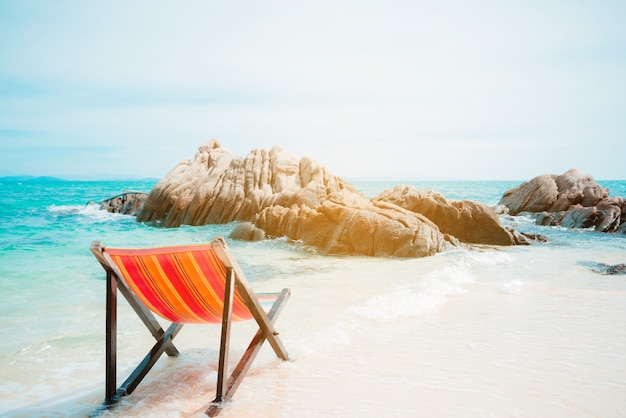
52, 289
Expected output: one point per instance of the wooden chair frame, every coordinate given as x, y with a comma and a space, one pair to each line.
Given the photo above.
226, 385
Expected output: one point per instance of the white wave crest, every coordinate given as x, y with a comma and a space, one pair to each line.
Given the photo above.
422, 297
90, 210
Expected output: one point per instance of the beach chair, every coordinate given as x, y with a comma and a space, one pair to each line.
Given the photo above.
198, 283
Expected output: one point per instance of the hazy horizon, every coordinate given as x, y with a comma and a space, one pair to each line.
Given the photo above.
26, 177
401, 90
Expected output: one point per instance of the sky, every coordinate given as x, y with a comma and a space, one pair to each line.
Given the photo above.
416, 90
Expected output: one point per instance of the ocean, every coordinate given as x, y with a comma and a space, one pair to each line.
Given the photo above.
521, 331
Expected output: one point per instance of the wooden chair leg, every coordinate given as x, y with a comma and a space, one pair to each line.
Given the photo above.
111, 340
163, 344
222, 369
255, 347
245, 291
248, 357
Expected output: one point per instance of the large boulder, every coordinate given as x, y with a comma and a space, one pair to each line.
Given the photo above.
468, 221
217, 188
347, 223
275, 194
572, 200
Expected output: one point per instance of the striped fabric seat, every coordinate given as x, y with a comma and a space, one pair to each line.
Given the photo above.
185, 284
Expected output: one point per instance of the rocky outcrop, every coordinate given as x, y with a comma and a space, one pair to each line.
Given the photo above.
348, 223
607, 269
468, 221
572, 200
217, 188
127, 203
275, 194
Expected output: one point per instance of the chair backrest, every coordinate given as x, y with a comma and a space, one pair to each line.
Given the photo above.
183, 284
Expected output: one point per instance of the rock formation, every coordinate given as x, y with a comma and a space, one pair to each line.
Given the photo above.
466, 220
217, 188
274, 194
572, 200
127, 203
607, 269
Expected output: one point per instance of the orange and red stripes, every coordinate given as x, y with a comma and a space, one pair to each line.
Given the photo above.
183, 284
